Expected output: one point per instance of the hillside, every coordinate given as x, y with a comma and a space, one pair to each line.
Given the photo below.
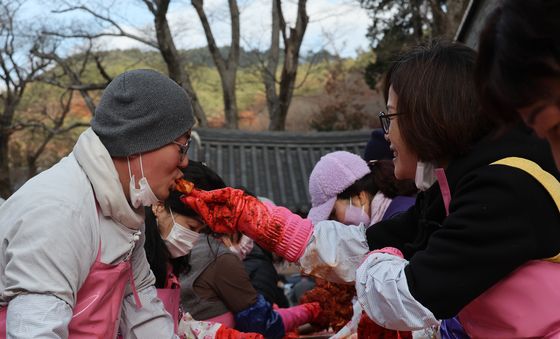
310, 94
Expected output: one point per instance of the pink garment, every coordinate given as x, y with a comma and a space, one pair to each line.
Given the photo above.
296, 316
389, 250
170, 296
171, 299
524, 304
444, 188
225, 319
378, 207
98, 303
3, 314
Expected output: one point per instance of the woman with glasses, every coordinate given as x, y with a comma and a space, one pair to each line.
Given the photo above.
477, 222
480, 219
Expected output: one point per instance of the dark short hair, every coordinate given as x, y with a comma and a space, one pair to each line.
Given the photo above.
381, 178
440, 112
519, 51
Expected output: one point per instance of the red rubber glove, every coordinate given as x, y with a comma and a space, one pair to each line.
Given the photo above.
222, 209
296, 316
274, 228
229, 333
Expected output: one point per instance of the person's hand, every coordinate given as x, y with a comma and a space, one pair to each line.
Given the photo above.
296, 316
224, 210
274, 228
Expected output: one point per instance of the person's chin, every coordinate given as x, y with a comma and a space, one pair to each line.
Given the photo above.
402, 172
398, 170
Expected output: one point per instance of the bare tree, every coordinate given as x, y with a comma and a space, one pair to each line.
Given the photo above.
279, 101
18, 69
174, 62
68, 76
227, 68
164, 43
271, 65
49, 124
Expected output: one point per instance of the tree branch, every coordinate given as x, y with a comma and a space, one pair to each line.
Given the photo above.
121, 32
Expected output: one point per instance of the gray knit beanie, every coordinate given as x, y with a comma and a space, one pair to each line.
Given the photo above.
140, 111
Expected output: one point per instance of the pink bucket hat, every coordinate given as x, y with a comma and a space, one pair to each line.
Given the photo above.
334, 173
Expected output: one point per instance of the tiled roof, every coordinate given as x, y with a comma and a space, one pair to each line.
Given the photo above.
275, 165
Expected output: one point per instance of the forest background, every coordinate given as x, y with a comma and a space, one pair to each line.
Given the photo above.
53, 70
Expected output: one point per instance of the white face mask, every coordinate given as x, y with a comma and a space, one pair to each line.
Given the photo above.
425, 175
142, 196
244, 247
354, 215
180, 240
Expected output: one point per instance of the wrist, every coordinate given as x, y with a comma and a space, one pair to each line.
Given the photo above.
389, 250
277, 229
296, 233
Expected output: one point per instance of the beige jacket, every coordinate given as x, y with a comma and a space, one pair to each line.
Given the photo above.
50, 231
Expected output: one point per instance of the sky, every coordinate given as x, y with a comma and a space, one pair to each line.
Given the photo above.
339, 26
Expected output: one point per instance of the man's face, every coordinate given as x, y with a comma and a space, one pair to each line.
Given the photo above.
163, 166
544, 118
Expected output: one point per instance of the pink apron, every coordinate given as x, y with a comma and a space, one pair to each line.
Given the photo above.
170, 296
523, 305
98, 303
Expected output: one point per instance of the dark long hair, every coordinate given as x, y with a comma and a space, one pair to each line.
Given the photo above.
156, 252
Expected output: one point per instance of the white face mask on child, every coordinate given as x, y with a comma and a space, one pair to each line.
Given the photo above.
143, 196
180, 240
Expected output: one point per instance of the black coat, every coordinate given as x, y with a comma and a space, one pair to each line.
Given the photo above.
499, 218
264, 277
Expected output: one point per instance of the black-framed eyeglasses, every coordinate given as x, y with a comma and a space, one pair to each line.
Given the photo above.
183, 148
385, 120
